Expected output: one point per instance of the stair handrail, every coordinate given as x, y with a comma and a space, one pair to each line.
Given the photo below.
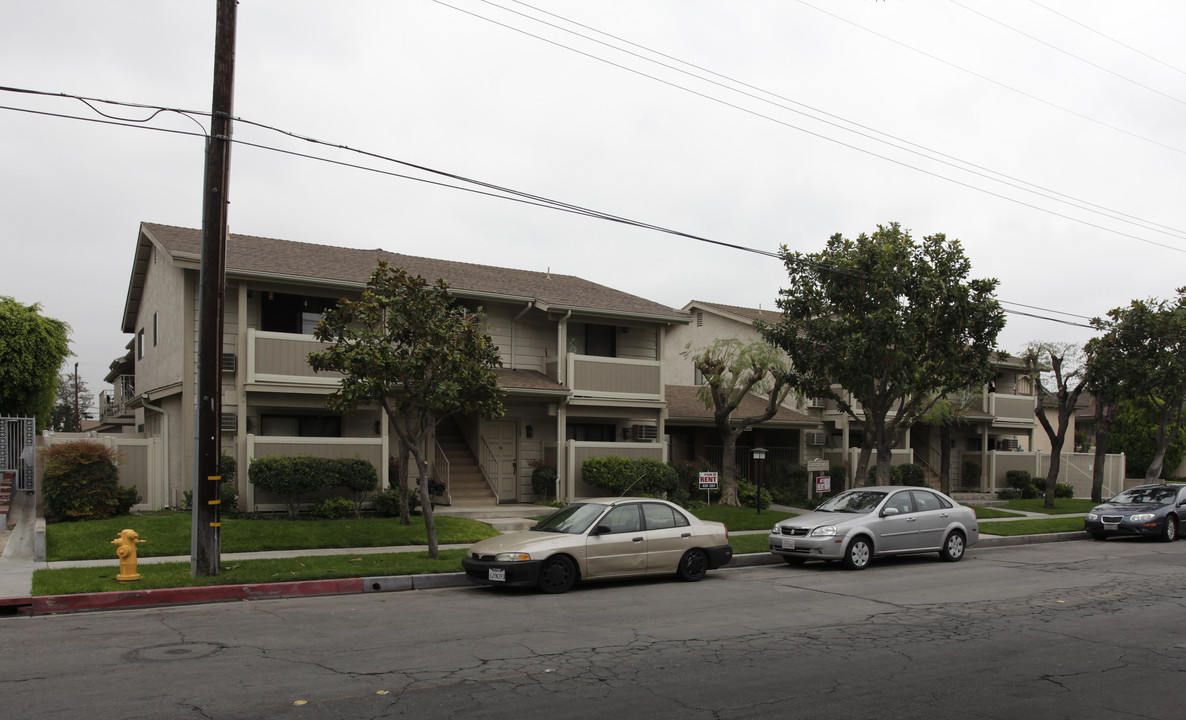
441, 468
487, 458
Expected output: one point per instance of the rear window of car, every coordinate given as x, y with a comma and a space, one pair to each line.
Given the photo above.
660, 517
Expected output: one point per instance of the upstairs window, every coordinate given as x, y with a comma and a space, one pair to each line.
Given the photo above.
282, 312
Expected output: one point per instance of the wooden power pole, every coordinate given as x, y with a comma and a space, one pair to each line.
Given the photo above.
205, 547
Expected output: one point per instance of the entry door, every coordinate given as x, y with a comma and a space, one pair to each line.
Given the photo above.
502, 437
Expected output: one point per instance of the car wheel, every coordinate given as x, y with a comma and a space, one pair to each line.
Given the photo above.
858, 554
1170, 533
693, 565
953, 547
557, 574
1099, 536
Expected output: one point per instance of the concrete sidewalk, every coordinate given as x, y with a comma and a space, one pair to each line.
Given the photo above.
17, 565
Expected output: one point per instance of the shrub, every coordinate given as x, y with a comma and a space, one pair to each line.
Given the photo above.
386, 502
634, 476
289, 477
971, 472
1064, 490
1025, 485
1008, 494
909, 474
228, 496
543, 481
81, 482
358, 476
333, 508
747, 492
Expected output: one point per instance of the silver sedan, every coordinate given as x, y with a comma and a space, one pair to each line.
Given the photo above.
858, 525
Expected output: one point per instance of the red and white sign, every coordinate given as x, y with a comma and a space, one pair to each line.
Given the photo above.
823, 484
708, 481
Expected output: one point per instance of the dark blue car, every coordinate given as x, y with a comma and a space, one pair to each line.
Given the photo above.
1143, 511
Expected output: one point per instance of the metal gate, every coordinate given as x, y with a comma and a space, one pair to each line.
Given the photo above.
17, 437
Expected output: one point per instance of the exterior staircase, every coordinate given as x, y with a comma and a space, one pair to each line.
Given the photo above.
7, 478
467, 485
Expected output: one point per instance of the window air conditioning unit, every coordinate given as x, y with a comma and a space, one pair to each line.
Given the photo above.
816, 403
816, 438
230, 421
645, 432
228, 362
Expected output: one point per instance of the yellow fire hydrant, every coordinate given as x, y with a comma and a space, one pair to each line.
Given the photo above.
126, 550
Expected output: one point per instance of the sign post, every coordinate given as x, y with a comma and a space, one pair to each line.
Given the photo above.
819, 465
708, 482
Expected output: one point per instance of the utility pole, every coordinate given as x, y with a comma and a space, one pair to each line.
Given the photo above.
205, 546
77, 416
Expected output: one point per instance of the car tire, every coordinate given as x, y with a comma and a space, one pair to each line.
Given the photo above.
858, 553
953, 547
1098, 536
557, 575
693, 565
1170, 532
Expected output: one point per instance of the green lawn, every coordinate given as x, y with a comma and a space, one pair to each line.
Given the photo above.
1062, 506
64, 581
168, 533
745, 544
1035, 526
989, 513
741, 518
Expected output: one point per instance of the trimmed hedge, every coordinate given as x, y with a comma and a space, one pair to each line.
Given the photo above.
630, 476
294, 477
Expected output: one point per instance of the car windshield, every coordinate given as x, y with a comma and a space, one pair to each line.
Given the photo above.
1161, 495
853, 501
572, 519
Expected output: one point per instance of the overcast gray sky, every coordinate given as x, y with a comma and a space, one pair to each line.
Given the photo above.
1046, 135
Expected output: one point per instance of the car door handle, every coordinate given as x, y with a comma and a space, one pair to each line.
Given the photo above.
637, 539
910, 519
686, 535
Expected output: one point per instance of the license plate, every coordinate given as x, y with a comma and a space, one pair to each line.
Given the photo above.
496, 575
1111, 526
788, 544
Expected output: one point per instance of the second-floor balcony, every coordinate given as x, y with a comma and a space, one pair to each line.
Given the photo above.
114, 402
274, 357
591, 376
1012, 410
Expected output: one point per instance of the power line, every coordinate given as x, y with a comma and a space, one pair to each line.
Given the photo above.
1178, 233
1108, 37
490, 189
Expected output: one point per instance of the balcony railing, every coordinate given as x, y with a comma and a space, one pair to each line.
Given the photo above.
1012, 410
274, 357
605, 377
113, 403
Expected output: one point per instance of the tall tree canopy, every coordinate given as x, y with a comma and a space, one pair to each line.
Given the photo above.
885, 326
1141, 356
408, 347
32, 348
733, 370
1058, 369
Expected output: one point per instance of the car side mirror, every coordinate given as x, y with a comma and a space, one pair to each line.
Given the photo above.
603, 530
889, 511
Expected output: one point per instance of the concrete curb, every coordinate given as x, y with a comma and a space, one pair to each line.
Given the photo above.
84, 602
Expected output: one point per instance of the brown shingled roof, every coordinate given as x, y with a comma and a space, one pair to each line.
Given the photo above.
251, 255
682, 404
770, 315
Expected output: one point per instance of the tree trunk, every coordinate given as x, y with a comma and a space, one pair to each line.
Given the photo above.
1103, 425
729, 471
1153, 472
945, 459
405, 514
430, 526
860, 476
1055, 465
885, 456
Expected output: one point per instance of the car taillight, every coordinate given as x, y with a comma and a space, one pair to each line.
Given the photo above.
726, 531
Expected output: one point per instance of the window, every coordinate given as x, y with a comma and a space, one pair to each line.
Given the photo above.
301, 425
601, 340
590, 432
901, 501
282, 312
622, 519
154, 329
661, 517
140, 344
926, 501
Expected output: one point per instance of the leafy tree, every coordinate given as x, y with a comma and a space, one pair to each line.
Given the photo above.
63, 418
733, 370
1134, 433
1061, 367
1141, 356
886, 326
409, 347
32, 348
947, 413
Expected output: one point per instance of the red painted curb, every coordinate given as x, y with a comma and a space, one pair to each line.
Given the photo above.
82, 602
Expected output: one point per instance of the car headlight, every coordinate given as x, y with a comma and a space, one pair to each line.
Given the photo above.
777, 530
512, 557
826, 530
1092, 516
1142, 517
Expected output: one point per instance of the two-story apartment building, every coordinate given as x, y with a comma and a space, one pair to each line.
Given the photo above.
997, 416
582, 367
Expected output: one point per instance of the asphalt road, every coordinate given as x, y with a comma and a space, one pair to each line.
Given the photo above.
1066, 630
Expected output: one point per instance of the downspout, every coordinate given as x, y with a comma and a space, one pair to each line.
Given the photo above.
164, 441
514, 327
562, 411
